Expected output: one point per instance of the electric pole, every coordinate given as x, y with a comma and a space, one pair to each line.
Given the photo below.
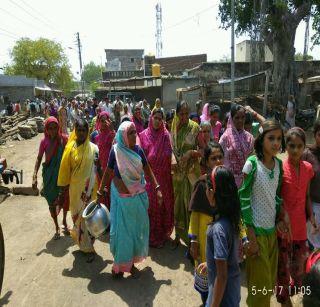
158, 30
232, 51
80, 62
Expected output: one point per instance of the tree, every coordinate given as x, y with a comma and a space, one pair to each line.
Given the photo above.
299, 57
92, 72
42, 59
278, 21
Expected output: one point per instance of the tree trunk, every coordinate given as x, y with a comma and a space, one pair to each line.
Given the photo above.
283, 64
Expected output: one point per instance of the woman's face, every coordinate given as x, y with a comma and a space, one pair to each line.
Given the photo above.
105, 122
132, 136
239, 119
295, 148
157, 121
81, 134
272, 142
317, 138
214, 117
215, 158
158, 103
137, 112
52, 130
183, 115
205, 134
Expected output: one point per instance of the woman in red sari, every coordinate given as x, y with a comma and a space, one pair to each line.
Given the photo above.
103, 137
155, 141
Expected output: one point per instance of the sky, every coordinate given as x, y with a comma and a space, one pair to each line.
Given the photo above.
189, 27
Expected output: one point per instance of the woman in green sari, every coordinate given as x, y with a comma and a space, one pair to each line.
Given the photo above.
52, 146
186, 171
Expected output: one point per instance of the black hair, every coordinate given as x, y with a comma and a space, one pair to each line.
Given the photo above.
159, 110
267, 126
235, 108
125, 119
181, 104
316, 127
248, 118
297, 132
81, 123
208, 150
214, 109
169, 115
311, 282
226, 196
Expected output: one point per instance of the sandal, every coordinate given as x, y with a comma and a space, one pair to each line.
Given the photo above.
66, 230
56, 236
135, 272
175, 243
117, 275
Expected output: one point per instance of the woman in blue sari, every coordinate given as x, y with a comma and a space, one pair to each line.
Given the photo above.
129, 231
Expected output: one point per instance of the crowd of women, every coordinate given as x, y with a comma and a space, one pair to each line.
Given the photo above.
218, 184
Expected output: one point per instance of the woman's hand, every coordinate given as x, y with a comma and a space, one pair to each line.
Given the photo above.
159, 197
202, 268
253, 249
194, 250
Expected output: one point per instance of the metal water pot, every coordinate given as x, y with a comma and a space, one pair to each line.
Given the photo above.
97, 218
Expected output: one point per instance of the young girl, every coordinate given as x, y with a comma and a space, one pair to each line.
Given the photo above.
223, 241
216, 125
260, 209
312, 155
293, 250
202, 214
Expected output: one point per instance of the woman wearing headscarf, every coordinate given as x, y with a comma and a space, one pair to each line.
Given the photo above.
237, 143
137, 118
129, 230
205, 113
155, 142
52, 145
80, 162
184, 134
104, 140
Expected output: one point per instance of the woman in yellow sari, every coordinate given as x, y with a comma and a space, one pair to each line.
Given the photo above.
78, 173
186, 172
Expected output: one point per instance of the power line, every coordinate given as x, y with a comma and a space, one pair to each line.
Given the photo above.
17, 18
33, 16
191, 17
10, 33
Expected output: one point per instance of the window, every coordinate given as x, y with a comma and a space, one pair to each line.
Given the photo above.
132, 60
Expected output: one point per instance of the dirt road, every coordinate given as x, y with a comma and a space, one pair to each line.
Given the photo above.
40, 271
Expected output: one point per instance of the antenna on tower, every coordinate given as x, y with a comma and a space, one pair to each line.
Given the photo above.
158, 30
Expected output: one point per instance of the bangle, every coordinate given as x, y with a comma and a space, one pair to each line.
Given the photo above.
193, 241
157, 187
99, 193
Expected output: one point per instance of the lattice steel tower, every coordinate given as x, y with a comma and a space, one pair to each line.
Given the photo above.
158, 30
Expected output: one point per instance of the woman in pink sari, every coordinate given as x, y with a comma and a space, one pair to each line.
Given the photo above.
205, 113
155, 141
237, 143
103, 138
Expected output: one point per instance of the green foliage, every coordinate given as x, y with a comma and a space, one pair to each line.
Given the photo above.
299, 57
42, 59
92, 72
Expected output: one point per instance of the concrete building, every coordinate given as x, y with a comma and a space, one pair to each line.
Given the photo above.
244, 49
124, 60
14, 88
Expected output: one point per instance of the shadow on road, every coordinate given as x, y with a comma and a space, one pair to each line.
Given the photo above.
82, 269
57, 248
171, 258
135, 292
5, 299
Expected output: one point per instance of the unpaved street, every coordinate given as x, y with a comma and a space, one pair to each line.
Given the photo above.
40, 271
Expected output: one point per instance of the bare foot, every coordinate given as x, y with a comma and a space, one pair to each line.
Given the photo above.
117, 275
91, 257
135, 272
57, 234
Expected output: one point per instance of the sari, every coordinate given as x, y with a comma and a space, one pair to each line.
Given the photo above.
104, 139
129, 230
205, 113
237, 146
78, 171
63, 119
50, 168
185, 175
158, 149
